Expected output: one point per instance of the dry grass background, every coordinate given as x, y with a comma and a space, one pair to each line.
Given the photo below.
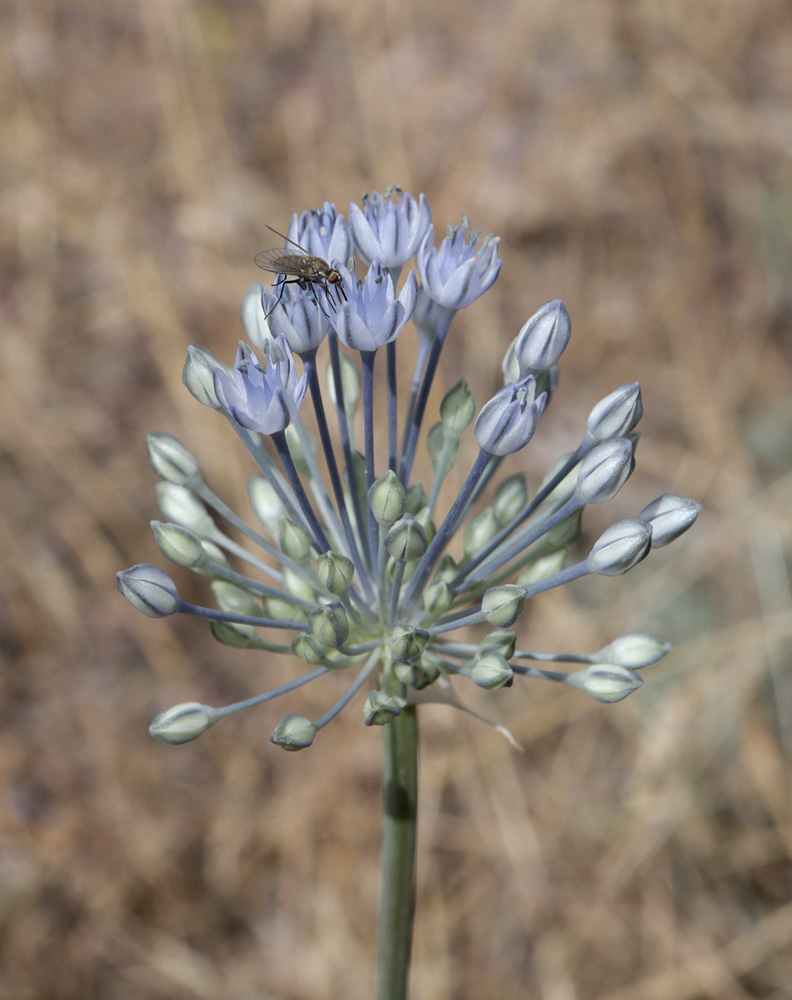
635, 157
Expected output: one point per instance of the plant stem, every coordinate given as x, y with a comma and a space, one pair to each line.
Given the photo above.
397, 894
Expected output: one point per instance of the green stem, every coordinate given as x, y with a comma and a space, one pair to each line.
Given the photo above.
397, 896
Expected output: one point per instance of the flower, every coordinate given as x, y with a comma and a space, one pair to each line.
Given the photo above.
459, 272
388, 228
373, 315
263, 399
370, 571
508, 421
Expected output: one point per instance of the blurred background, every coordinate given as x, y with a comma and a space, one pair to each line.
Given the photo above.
635, 159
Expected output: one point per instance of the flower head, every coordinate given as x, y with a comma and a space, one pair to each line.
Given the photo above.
369, 570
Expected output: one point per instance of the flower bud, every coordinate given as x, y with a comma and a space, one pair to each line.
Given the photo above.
283, 610
335, 572
620, 547
542, 568
265, 503
634, 650
416, 498
214, 557
294, 732
387, 499
308, 649
198, 375
438, 598
254, 320
500, 641
149, 590
380, 708
510, 498
182, 507
480, 530
350, 384
297, 586
183, 723
508, 421
491, 672
406, 540
447, 569
457, 409
543, 339
563, 534
407, 643
442, 447
502, 606
329, 625
171, 460
295, 542
604, 471
178, 544
424, 519
231, 597
616, 414
606, 682
235, 635
670, 516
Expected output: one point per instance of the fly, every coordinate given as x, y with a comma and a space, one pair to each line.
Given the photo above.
304, 269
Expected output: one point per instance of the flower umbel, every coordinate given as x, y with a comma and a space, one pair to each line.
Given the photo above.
363, 571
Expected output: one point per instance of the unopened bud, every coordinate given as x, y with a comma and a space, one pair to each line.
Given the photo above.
350, 384
407, 643
510, 498
543, 339
236, 635
387, 499
297, 586
438, 598
254, 320
406, 540
283, 610
381, 708
308, 649
634, 650
606, 682
500, 641
183, 723
178, 544
230, 597
198, 375
507, 421
295, 542
503, 605
457, 409
480, 530
148, 589
335, 572
416, 498
294, 732
620, 547
329, 625
265, 503
491, 671
182, 507
542, 568
447, 569
670, 516
443, 449
171, 460
604, 471
617, 414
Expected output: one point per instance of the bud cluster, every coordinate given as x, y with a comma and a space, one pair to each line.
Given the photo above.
356, 566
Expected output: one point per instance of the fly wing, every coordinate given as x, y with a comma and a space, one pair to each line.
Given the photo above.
280, 261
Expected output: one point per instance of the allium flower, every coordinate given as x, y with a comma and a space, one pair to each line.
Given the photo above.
460, 271
369, 571
263, 399
373, 314
388, 228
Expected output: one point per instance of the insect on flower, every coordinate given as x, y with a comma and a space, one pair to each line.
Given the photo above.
305, 270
